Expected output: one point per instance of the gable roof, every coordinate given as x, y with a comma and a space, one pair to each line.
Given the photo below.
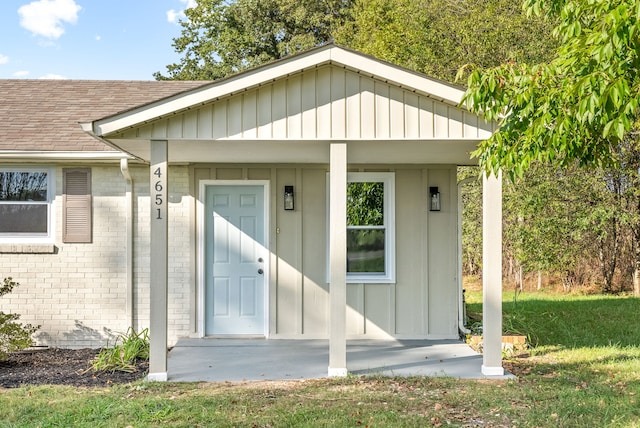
67, 119
328, 54
44, 115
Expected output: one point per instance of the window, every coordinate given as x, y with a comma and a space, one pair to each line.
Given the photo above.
26, 198
371, 227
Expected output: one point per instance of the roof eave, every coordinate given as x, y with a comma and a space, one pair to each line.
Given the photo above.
52, 155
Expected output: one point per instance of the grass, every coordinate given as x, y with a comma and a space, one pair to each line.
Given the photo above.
584, 371
569, 321
122, 356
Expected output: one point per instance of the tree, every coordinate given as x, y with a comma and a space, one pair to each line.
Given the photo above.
581, 106
437, 37
221, 37
623, 180
556, 219
576, 107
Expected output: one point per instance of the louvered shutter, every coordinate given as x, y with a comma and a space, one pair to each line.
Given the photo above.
77, 205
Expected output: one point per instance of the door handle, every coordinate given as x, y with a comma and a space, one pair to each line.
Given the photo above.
260, 271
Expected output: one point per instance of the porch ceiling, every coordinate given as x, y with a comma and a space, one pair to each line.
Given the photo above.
452, 152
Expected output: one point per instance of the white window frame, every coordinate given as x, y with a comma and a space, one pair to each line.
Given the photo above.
26, 238
389, 181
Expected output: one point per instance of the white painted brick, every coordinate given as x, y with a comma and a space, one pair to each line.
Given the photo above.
79, 293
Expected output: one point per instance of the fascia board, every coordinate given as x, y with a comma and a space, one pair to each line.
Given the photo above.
61, 155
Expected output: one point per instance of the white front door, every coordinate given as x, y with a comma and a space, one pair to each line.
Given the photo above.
235, 260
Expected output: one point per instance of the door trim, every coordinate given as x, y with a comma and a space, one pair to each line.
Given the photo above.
201, 285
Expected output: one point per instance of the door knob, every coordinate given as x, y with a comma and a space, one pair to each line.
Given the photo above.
260, 271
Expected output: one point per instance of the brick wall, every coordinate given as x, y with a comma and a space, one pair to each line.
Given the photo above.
78, 293
181, 281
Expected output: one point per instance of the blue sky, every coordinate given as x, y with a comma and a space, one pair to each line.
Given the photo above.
88, 39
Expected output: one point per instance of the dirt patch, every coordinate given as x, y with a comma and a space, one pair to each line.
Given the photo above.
61, 367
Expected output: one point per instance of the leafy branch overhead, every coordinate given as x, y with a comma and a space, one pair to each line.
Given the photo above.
576, 107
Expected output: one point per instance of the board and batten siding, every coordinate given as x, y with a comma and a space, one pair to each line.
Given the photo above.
421, 304
325, 103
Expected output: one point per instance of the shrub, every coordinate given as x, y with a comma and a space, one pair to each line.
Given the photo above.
13, 335
123, 354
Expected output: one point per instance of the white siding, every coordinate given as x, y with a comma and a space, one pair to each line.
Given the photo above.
324, 103
421, 304
78, 294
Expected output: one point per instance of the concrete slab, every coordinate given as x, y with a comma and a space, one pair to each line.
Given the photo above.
218, 360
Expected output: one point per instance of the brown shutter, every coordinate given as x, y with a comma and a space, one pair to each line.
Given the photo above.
76, 217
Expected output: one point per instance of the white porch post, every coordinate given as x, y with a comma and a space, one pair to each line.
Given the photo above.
492, 275
338, 259
159, 252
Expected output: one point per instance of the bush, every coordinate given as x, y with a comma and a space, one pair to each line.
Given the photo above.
13, 335
122, 356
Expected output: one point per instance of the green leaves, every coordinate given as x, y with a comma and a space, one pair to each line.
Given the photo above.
14, 336
438, 37
123, 354
574, 107
222, 37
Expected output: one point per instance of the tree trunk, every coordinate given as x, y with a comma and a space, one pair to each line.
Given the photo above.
511, 268
636, 261
539, 287
608, 256
636, 272
520, 279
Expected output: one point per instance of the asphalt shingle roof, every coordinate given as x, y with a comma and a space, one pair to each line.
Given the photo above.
44, 115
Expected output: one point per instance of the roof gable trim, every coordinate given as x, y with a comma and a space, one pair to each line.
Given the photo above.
250, 79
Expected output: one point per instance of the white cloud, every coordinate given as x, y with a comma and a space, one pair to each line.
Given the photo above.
173, 16
52, 76
4, 59
22, 73
98, 38
46, 18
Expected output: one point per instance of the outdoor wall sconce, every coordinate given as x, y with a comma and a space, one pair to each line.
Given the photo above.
288, 198
434, 199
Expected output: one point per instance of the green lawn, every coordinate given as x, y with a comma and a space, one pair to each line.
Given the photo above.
584, 372
568, 321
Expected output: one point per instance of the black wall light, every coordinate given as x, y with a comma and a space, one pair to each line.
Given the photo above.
288, 198
434, 199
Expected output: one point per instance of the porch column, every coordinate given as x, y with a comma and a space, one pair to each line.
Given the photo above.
158, 275
338, 259
492, 275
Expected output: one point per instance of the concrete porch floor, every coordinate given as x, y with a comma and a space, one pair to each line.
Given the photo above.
217, 360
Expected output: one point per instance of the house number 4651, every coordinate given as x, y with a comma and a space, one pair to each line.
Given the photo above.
160, 192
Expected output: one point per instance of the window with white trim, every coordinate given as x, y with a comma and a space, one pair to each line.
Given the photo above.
26, 199
371, 227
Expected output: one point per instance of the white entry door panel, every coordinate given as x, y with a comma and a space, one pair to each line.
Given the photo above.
235, 259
